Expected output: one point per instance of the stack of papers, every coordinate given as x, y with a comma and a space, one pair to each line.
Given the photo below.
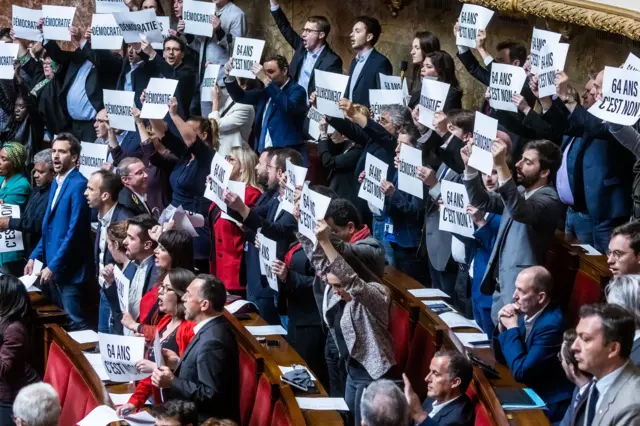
467, 338
428, 292
119, 398
322, 404
534, 402
84, 336
103, 415
454, 319
266, 330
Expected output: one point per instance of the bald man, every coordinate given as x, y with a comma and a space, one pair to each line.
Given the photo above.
529, 337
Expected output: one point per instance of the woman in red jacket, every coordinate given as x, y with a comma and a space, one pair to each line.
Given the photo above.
227, 235
173, 330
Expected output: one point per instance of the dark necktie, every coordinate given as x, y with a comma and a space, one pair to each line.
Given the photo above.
591, 408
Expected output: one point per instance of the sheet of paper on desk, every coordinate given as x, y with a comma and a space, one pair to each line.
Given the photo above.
591, 251
119, 398
322, 404
233, 307
101, 415
96, 362
285, 370
84, 336
467, 338
266, 330
454, 319
140, 418
428, 292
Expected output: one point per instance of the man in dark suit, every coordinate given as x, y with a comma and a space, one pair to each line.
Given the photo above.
281, 106
447, 403
102, 192
208, 372
65, 246
133, 174
529, 337
310, 51
366, 67
581, 379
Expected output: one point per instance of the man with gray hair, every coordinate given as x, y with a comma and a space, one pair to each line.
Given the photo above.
133, 173
625, 291
384, 404
37, 405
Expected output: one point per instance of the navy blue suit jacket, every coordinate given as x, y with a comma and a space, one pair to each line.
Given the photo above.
534, 362
457, 413
150, 278
576, 411
65, 246
369, 78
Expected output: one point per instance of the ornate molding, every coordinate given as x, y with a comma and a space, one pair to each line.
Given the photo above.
395, 6
583, 13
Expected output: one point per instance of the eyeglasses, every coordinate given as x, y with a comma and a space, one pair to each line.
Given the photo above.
309, 30
165, 289
615, 254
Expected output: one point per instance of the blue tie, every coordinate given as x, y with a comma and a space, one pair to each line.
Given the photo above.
263, 131
593, 399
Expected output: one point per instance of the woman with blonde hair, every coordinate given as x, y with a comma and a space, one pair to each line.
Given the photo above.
227, 236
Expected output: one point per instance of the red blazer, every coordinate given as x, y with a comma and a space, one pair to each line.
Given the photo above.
227, 243
145, 389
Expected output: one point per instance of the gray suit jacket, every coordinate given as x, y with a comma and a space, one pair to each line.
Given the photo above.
620, 405
525, 234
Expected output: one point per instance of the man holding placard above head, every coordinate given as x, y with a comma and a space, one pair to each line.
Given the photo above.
280, 107
368, 63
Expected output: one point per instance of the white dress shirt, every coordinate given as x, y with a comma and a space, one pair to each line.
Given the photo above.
435, 408
202, 323
137, 286
105, 221
59, 180
605, 383
528, 322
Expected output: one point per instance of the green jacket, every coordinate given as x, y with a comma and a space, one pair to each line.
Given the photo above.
16, 192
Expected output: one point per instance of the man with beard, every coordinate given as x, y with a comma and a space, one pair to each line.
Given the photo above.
530, 213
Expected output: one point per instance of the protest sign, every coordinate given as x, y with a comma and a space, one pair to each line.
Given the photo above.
197, 17
314, 117
313, 207
10, 240
25, 23
238, 188
209, 80
184, 220
92, 156
122, 284
165, 24
219, 178
471, 20
552, 59
268, 249
118, 104
632, 63
295, 178
432, 98
111, 6
410, 160
246, 52
119, 355
159, 93
375, 172
538, 40
453, 213
57, 20
621, 103
506, 80
394, 82
135, 24
330, 88
485, 130
381, 99
105, 32
8, 55
157, 351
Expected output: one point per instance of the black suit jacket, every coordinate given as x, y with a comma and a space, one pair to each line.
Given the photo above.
132, 202
457, 413
208, 373
368, 79
328, 60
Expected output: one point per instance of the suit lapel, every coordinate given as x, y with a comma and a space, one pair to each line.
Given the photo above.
371, 56
65, 183
610, 396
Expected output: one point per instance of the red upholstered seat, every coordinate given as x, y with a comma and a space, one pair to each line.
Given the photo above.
400, 329
586, 290
280, 415
248, 384
262, 408
420, 353
482, 416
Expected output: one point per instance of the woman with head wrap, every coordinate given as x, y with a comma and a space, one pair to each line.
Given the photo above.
14, 189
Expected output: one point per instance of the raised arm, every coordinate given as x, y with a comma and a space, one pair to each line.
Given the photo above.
289, 34
188, 135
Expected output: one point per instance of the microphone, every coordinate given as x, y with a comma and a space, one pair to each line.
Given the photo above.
403, 69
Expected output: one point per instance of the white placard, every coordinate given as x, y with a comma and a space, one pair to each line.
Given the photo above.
84, 336
428, 292
57, 20
118, 104
165, 25
453, 213
220, 174
432, 98
266, 330
238, 188
268, 249
209, 80
330, 88
380, 99
10, 240
144, 22
552, 59
322, 404
122, 286
25, 23
235, 306
105, 32
119, 356
506, 80
197, 17
394, 82
246, 52
410, 160
454, 320
375, 172
314, 117
632, 63
295, 178
184, 220
485, 131
159, 93
157, 351
92, 156
29, 283
471, 20
111, 6
313, 207
8, 55
539, 39
621, 103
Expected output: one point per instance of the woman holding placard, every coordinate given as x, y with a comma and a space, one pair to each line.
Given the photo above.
424, 42
440, 65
